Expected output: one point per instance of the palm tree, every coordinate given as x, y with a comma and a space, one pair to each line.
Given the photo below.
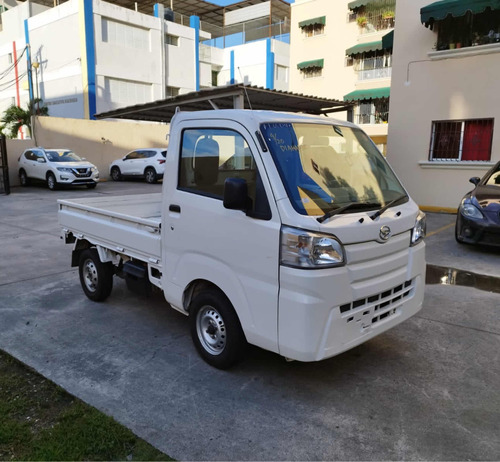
15, 117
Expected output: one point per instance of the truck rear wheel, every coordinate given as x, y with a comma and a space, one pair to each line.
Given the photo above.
216, 330
96, 277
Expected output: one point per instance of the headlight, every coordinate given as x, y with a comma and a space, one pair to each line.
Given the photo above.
94, 169
306, 249
470, 211
65, 169
419, 230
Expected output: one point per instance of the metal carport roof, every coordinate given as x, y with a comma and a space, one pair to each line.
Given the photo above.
227, 97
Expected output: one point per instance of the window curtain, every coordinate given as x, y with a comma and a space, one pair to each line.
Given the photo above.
477, 140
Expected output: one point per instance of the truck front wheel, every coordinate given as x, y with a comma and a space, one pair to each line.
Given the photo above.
216, 330
96, 277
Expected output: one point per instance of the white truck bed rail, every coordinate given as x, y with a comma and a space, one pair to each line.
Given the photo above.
133, 221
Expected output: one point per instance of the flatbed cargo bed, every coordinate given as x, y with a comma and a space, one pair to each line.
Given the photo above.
127, 224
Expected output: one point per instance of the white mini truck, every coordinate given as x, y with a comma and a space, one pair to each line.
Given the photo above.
285, 231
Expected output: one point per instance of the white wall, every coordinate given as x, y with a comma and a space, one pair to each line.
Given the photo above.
180, 60
56, 45
462, 87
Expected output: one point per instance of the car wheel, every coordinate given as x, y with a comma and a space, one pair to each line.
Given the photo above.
96, 277
23, 178
91, 186
116, 175
51, 182
216, 330
150, 175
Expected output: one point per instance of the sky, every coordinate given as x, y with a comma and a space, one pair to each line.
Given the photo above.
230, 2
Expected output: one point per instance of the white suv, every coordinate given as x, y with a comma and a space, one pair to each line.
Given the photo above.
148, 163
56, 167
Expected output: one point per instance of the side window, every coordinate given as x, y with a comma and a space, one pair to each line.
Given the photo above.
131, 155
38, 155
209, 156
28, 155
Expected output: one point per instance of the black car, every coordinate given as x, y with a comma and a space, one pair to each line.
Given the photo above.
478, 217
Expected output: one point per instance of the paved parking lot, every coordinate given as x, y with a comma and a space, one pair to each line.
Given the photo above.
426, 390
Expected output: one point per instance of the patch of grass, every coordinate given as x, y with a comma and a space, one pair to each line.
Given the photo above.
40, 421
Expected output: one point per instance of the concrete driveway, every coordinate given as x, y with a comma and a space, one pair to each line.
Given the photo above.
426, 390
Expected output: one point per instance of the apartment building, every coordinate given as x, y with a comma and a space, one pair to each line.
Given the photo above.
343, 50
83, 57
445, 103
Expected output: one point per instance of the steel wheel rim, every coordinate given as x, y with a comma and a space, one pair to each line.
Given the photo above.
211, 330
115, 174
150, 176
50, 182
90, 277
22, 178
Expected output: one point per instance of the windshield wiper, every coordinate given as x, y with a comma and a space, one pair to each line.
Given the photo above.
351, 205
386, 206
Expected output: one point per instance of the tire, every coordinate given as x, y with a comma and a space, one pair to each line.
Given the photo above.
150, 175
116, 175
51, 182
96, 277
91, 186
23, 178
216, 330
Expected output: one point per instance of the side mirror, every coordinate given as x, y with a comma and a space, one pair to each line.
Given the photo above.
236, 194
475, 180
40, 160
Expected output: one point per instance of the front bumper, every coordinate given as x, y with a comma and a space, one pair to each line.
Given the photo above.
325, 312
71, 179
485, 231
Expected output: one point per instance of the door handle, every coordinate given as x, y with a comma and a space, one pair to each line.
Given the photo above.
175, 208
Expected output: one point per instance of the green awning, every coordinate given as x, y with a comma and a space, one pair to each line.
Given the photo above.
313, 21
358, 3
372, 93
439, 10
364, 47
388, 40
313, 63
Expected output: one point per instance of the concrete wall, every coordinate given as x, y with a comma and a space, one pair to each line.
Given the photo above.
100, 142
445, 85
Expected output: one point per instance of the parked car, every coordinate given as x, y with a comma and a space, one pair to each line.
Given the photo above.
141, 163
478, 217
56, 167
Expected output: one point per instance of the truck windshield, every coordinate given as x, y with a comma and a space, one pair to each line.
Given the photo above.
327, 167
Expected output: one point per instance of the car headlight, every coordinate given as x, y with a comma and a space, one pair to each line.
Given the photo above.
306, 249
469, 210
94, 170
65, 169
419, 230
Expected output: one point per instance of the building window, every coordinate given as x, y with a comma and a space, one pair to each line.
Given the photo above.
468, 30
171, 40
311, 72
281, 73
172, 91
126, 92
374, 15
461, 140
313, 29
125, 35
374, 111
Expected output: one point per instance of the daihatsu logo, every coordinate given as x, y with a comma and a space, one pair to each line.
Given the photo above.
385, 233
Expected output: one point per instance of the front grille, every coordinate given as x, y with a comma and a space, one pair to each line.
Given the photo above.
82, 172
378, 306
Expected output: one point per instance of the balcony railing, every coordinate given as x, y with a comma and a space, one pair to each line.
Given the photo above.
380, 73
372, 118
